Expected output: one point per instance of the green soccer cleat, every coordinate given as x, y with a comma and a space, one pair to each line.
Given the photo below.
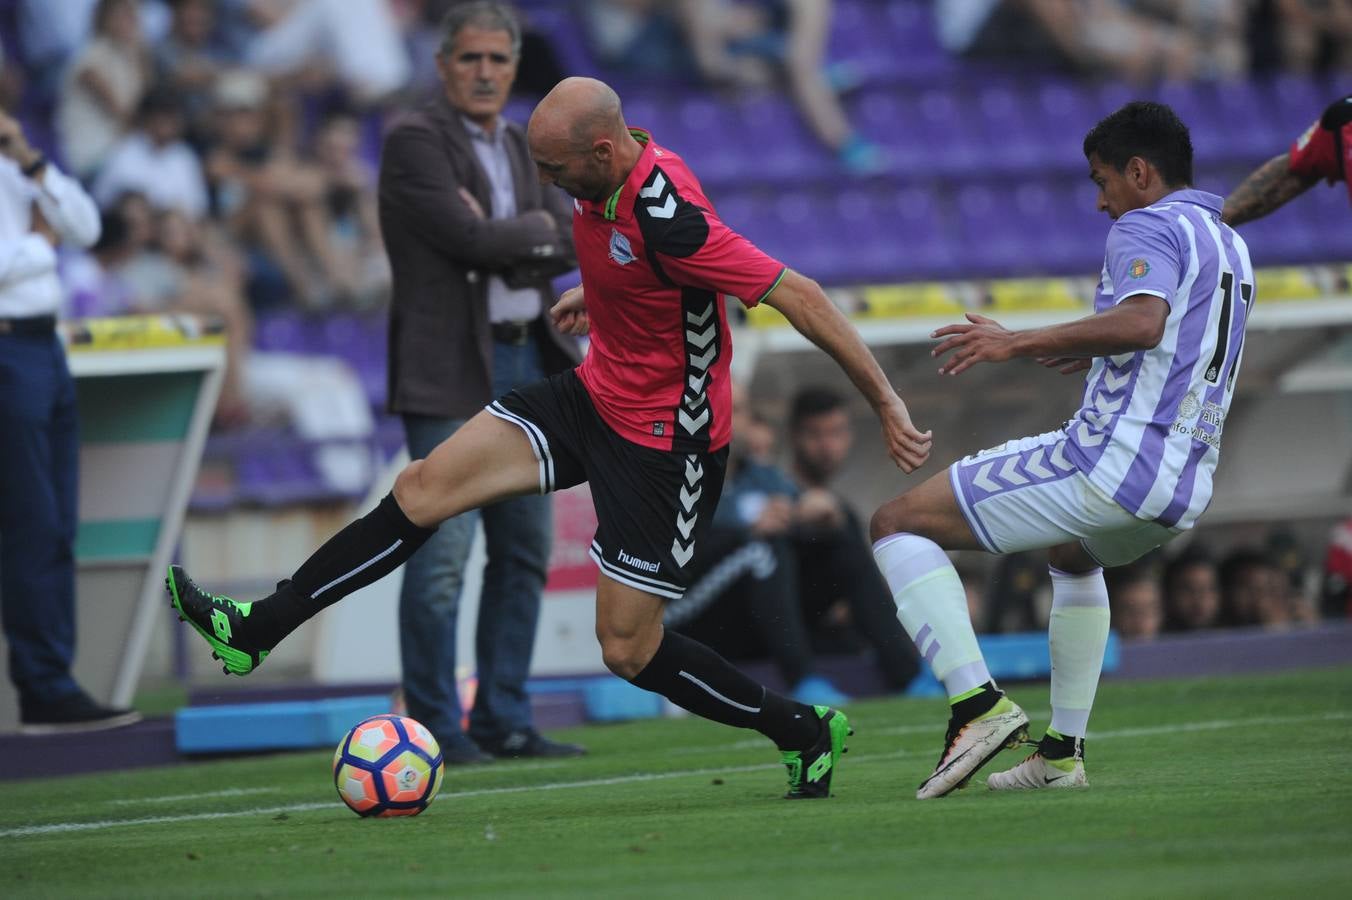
220, 620
810, 770
970, 745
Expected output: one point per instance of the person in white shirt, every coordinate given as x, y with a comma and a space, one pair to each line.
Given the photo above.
154, 160
40, 208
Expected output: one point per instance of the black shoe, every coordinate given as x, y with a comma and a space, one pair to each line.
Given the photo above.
77, 712
529, 742
222, 623
810, 770
463, 752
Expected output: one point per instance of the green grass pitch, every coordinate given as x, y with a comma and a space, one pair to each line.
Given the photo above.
1235, 787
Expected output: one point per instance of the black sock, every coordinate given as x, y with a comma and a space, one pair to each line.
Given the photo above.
1055, 745
968, 708
362, 553
697, 679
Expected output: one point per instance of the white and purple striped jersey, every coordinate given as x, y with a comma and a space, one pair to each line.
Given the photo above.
1148, 432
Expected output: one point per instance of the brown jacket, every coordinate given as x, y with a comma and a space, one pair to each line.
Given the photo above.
440, 345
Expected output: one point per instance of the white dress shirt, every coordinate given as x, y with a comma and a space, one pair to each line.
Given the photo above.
28, 282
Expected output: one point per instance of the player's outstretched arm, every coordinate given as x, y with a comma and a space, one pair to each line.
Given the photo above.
1268, 187
812, 313
1137, 323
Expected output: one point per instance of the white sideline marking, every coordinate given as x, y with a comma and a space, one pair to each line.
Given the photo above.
1210, 725
228, 792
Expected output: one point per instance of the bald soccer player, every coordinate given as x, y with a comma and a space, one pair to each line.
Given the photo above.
645, 419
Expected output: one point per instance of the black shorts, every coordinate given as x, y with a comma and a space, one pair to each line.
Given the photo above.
653, 507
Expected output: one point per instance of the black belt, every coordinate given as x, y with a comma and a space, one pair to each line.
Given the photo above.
518, 332
30, 325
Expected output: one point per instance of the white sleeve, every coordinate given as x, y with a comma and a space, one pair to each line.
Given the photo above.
22, 258
68, 208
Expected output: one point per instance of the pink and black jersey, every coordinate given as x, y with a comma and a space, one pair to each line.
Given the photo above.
1325, 149
656, 264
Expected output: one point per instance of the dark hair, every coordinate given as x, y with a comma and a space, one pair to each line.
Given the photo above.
813, 401
114, 231
1239, 561
1188, 559
1149, 130
160, 99
105, 8
485, 14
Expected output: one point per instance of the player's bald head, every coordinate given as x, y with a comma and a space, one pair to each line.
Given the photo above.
577, 113
579, 141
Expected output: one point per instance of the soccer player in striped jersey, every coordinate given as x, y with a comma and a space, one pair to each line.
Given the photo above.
1129, 470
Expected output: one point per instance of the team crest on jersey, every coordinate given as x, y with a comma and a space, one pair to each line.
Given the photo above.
1139, 268
620, 251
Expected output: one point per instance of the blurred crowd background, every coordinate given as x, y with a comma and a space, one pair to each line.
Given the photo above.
232, 146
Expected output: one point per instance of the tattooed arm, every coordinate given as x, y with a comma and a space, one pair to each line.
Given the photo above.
1268, 187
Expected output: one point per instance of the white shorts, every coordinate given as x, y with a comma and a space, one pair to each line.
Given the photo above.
1025, 495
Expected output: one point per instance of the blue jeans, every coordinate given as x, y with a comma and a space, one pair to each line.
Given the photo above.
518, 534
39, 467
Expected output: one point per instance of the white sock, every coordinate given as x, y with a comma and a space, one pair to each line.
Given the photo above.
1078, 636
932, 607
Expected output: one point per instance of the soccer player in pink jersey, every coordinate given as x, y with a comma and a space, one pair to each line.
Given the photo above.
1129, 470
645, 419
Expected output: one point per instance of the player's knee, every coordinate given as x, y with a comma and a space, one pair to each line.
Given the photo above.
624, 654
888, 520
621, 658
412, 495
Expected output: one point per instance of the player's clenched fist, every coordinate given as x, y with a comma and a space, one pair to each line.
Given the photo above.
570, 313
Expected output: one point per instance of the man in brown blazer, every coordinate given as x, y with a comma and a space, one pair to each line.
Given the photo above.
473, 240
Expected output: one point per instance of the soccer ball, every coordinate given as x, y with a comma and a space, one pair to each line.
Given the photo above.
387, 766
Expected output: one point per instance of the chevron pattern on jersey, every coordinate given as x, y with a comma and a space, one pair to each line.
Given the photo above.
1036, 466
683, 545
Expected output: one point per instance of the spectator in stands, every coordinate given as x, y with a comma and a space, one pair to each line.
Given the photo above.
1310, 35
641, 37
844, 599
744, 599
1136, 39
93, 280
189, 61
473, 238
1020, 593
1318, 153
355, 43
269, 202
155, 161
1135, 600
50, 35
354, 255
1337, 586
1192, 596
754, 43
1253, 591
102, 87
40, 208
